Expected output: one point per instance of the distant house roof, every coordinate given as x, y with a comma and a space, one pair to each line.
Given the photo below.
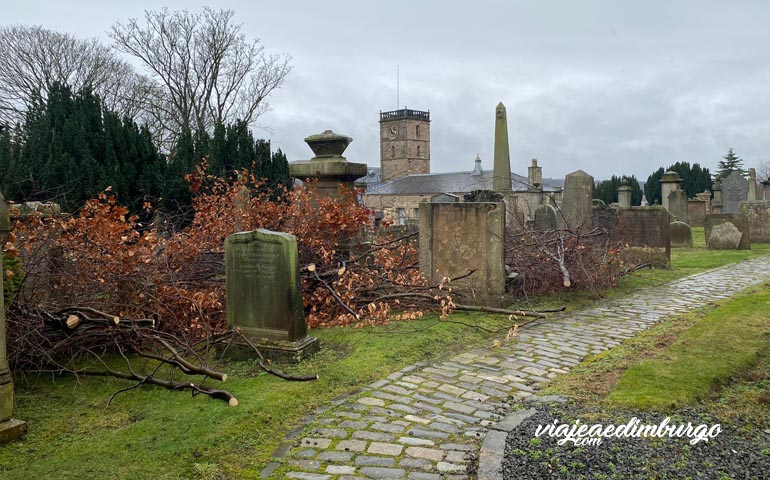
456, 182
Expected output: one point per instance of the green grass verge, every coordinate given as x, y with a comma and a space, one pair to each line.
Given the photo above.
720, 345
154, 433
711, 355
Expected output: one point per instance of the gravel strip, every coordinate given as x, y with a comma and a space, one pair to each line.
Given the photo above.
733, 454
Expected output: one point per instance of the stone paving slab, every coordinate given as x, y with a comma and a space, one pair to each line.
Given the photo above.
428, 420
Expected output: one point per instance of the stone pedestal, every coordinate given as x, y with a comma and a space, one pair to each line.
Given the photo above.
9, 428
624, 196
669, 182
264, 297
328, 166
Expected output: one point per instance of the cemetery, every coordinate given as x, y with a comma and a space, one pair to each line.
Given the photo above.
183, 300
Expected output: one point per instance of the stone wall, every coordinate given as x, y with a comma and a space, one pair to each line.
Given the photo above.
456, 238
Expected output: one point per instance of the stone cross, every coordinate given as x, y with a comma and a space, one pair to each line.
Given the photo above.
9, 428
501, 174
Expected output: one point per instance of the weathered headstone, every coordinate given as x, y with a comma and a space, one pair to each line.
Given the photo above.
456, 238
696, 211
752, 194
669, 182
739, 221
677, 205
624, 196
264, 297
766, 190
501, 173
603, 216
545, 218
681, 235
758, 215
644, 231
9, 428
735, 189
576, 204
716, 205
724, 236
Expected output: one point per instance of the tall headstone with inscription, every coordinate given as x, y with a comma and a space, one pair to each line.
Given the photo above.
9, 428
645, 234
735, 189
459, 238
677, 205
576, 204
264, 297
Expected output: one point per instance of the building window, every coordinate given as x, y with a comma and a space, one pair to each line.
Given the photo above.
417, 131
418, 150
401, 213
393, 151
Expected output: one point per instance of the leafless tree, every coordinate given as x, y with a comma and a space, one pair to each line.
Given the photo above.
763, 171
33, 58
205, 68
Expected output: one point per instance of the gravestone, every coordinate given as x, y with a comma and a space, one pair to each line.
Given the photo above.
739, 221
735, 189
681, 235
696, 211
603, 216
264, 297
751, 196
9, 427
644, 232
456, 238
716, 205
545, 218
724, 236
576, 204
758, 215
677, 205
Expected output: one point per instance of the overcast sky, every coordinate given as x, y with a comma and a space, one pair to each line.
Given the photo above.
605, 86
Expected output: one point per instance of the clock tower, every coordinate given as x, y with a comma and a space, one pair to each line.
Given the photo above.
404, 143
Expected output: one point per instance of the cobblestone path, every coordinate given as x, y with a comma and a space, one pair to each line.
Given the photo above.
425, 422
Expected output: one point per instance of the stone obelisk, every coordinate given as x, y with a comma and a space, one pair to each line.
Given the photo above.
501, 176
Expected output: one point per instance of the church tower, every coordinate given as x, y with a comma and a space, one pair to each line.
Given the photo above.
404, 143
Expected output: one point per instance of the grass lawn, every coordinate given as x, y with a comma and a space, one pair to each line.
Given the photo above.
153, 433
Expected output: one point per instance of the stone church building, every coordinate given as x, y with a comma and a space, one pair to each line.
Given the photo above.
403, 180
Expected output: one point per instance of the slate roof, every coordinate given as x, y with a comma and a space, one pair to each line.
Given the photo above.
456, 182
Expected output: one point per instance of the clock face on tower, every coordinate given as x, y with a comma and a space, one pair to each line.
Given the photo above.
393, 132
